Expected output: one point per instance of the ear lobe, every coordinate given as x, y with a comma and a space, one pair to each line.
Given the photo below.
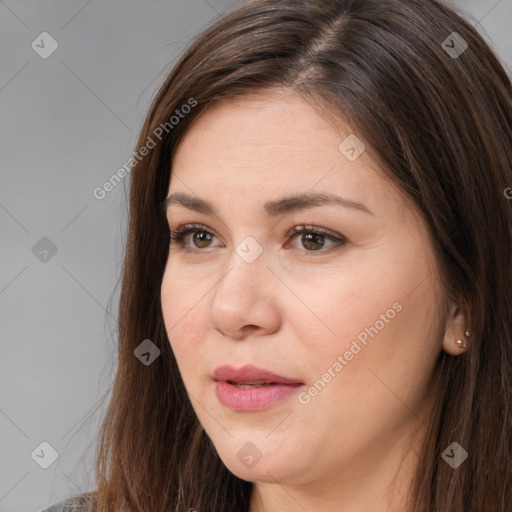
455, 329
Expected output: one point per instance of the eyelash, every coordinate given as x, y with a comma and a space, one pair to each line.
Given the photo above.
177, 237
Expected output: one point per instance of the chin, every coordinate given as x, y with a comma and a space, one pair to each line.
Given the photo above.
251, 464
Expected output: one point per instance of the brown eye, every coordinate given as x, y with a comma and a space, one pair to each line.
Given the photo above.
313, 239
201, 237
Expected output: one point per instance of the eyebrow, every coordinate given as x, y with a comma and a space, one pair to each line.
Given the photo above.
271, 208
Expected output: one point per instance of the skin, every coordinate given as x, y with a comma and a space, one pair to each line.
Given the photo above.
354, 446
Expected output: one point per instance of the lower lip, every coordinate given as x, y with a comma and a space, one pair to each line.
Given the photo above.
252, 399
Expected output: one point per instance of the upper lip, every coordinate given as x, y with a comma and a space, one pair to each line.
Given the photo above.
250, 374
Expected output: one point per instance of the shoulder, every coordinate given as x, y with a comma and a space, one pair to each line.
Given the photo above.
77, 503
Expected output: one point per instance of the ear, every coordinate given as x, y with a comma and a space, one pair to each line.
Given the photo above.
455, 328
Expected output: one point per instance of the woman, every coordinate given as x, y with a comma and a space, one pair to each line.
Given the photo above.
316, 305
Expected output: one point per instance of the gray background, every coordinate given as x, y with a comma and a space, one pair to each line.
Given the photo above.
68, 123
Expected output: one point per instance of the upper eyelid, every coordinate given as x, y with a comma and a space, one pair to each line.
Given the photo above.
305, 227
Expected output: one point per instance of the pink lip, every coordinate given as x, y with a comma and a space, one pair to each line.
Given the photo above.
251, 399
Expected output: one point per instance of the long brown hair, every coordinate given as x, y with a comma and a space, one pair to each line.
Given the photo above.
440, 126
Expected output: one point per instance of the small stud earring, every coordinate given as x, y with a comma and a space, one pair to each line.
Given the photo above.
467, 333
461, 343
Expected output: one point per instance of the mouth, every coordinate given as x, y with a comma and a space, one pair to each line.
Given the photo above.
251, 376
250, 385
252, 389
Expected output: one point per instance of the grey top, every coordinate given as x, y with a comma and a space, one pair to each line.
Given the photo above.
74, 504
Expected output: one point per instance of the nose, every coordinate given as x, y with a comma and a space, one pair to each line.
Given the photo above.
245, 300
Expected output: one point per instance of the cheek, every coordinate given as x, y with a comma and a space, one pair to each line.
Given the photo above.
389, 352
184, 315
336, 310
373, 322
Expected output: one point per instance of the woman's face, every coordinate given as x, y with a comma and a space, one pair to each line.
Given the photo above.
349, 325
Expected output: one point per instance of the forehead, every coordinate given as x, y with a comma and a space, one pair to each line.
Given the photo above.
277, 120
250, 133
252, 149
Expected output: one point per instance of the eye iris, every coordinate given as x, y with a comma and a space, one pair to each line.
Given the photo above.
308, 236
206, 238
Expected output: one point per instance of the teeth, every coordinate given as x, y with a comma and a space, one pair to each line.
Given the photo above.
249, 385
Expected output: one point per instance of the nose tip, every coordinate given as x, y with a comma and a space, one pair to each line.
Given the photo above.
243, 303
